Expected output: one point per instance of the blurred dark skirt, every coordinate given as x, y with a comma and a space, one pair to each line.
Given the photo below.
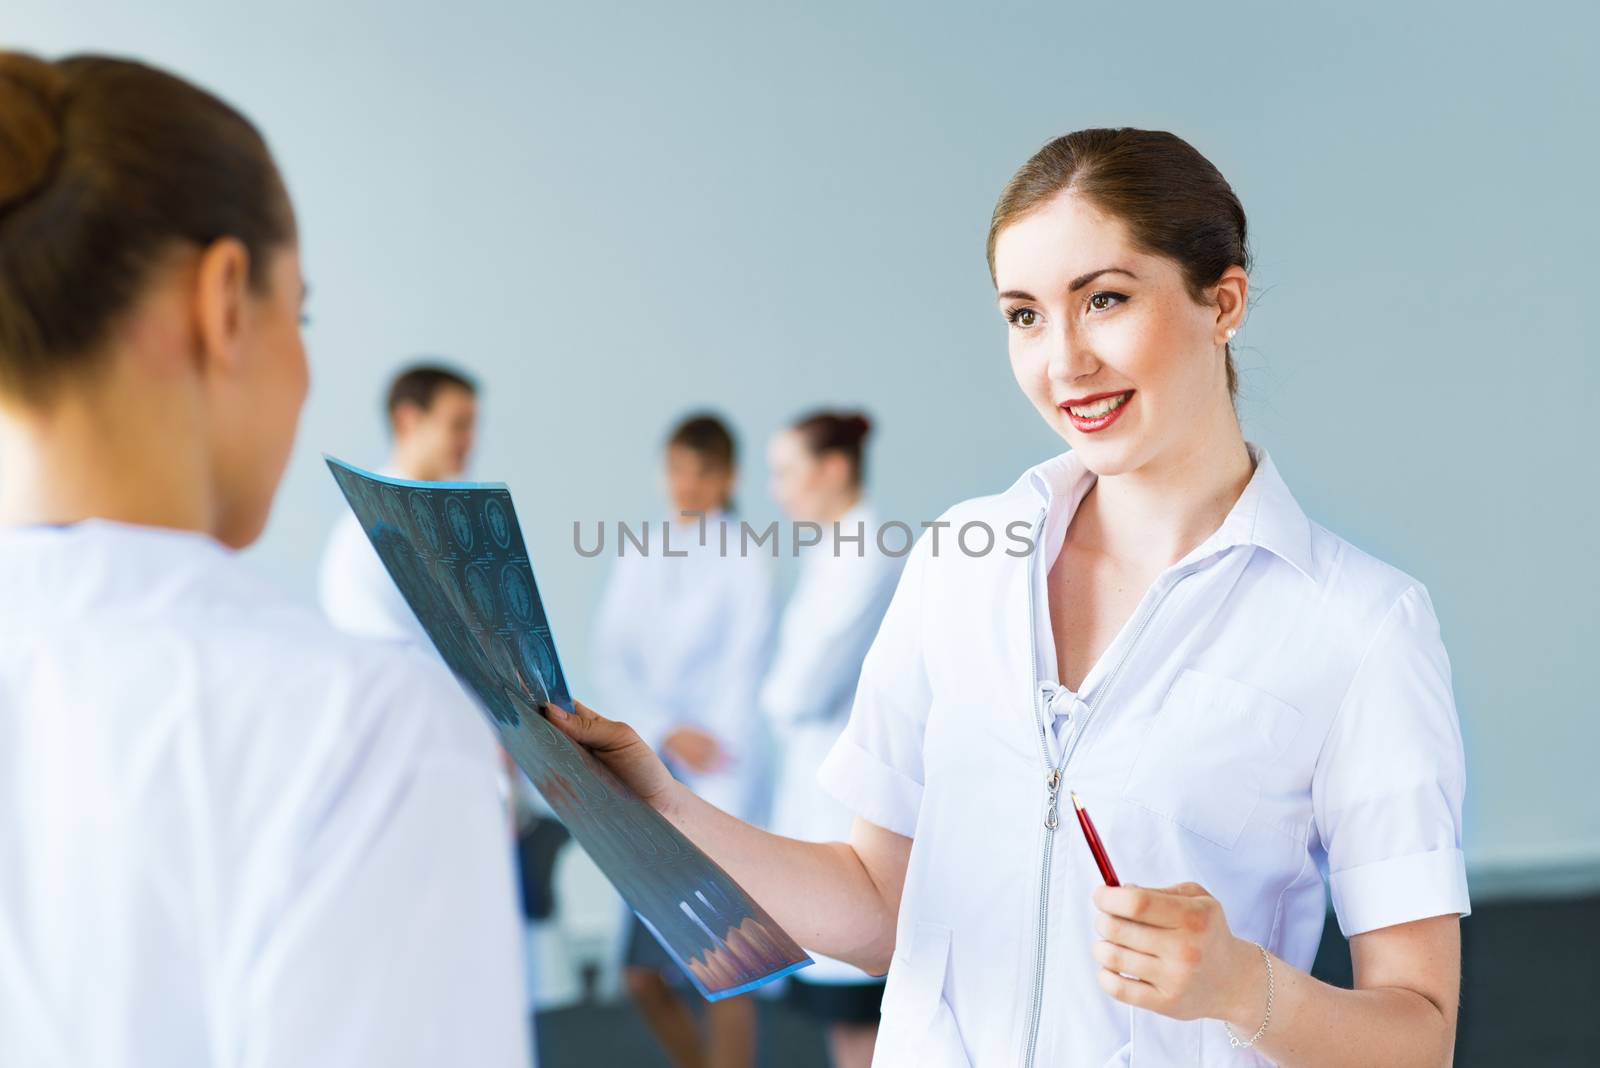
837, 1003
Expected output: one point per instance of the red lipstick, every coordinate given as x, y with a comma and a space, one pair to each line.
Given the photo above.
1099, 422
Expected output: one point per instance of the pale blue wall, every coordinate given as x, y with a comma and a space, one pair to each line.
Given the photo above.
616, 213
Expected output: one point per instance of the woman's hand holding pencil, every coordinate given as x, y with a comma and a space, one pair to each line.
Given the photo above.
1170, 950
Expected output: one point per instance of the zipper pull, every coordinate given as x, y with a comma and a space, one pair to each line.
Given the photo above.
1053, 784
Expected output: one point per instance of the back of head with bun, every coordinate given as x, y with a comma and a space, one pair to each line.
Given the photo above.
30, 125
106, 164
841, 432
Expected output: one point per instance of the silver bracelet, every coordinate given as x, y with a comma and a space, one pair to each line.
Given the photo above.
1235, 1040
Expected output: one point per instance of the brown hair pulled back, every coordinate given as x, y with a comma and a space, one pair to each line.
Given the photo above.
841, 432
106, 165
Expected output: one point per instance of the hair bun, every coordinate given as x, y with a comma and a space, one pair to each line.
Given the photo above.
859, 423
31, 92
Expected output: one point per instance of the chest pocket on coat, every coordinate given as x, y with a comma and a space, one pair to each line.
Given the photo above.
1202, 762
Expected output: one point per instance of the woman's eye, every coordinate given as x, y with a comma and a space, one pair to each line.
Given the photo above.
1024, 317
1105, 300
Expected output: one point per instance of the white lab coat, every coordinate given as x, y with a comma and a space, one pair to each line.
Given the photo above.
359, 597
233, 836
1278, 707
839, 599
684, 640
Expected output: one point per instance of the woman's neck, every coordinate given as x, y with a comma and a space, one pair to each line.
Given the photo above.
83, 457
1157, 514
840, 505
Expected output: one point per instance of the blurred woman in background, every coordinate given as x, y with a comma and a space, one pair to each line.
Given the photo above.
681, 641
846, 582
222, 816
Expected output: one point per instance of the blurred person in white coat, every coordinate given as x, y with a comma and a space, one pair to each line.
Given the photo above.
681, 640
846, 581
433, 416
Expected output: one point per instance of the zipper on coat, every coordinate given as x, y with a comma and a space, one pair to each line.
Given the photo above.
1052, 791
1055, 769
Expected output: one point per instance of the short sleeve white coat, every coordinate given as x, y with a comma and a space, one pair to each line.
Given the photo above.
1278, 713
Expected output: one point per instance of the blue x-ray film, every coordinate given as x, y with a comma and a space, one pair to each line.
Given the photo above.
455, 550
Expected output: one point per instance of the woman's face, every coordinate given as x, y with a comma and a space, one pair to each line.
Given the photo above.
257, 406
1105, 339
695, 483
795, 481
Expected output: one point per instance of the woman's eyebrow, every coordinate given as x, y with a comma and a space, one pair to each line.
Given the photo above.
1077, 283
1084, 279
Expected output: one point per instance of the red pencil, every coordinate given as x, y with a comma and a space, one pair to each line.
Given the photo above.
1092, 836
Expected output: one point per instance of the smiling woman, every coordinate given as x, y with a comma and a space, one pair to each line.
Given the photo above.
1249, 703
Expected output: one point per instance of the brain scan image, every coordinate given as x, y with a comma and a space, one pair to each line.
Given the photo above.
479, 591
427, 525
538, 664
519, 597
494, 517
455, 513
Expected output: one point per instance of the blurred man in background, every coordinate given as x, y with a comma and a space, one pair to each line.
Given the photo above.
433, 416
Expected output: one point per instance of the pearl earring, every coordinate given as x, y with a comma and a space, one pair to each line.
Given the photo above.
1231, 332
